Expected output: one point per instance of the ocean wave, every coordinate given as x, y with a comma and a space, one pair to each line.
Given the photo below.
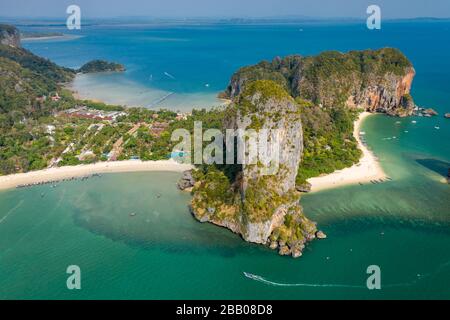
11, 211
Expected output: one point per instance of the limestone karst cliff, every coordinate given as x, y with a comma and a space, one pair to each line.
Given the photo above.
9, 36
376, 80
260, 201
298, 100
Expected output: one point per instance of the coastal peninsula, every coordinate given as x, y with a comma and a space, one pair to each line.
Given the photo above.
315, 102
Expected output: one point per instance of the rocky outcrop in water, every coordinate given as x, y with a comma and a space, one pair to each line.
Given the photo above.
9, 36
429, 112
376, 80
187, 181
304, 187
321, 235
261, 205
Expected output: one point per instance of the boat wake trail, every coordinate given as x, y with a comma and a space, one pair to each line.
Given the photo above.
11, 211
334, 285
314, 285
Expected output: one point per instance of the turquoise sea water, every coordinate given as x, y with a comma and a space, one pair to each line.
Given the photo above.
402, 225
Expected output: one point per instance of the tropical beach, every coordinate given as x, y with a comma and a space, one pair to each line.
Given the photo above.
367, 170
69, 172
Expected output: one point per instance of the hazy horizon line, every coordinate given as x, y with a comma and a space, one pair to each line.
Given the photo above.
215, 18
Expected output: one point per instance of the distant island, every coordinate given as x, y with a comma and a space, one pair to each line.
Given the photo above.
101, 66
314, 101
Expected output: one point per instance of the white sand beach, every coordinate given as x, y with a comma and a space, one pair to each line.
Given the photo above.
366, 170
54, 174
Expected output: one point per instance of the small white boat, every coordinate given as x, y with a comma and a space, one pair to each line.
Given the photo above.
414, 121
169, 75
437, 128
252, 276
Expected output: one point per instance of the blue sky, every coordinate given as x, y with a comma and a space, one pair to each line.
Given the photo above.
226, 8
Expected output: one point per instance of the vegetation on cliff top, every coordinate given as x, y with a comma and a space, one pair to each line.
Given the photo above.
24, 78
258, 93
294, 229
7, 28
328, 78
41, 66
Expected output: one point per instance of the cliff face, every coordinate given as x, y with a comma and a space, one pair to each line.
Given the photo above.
9, 36
377, 80
263, 195
391, 95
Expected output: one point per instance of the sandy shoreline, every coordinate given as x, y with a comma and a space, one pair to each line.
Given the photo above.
366, 170
54, 174
121, 90
61, 37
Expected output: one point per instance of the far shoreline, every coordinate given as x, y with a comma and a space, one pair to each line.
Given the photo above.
61, 37
79, 93
366, 170
68, 172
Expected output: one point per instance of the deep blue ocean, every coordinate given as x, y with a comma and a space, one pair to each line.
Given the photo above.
198, 60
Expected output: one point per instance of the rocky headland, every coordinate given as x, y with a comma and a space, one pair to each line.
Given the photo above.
263, 208
304, 97
375, 80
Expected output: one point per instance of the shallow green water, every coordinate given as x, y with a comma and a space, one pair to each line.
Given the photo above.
162, 252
